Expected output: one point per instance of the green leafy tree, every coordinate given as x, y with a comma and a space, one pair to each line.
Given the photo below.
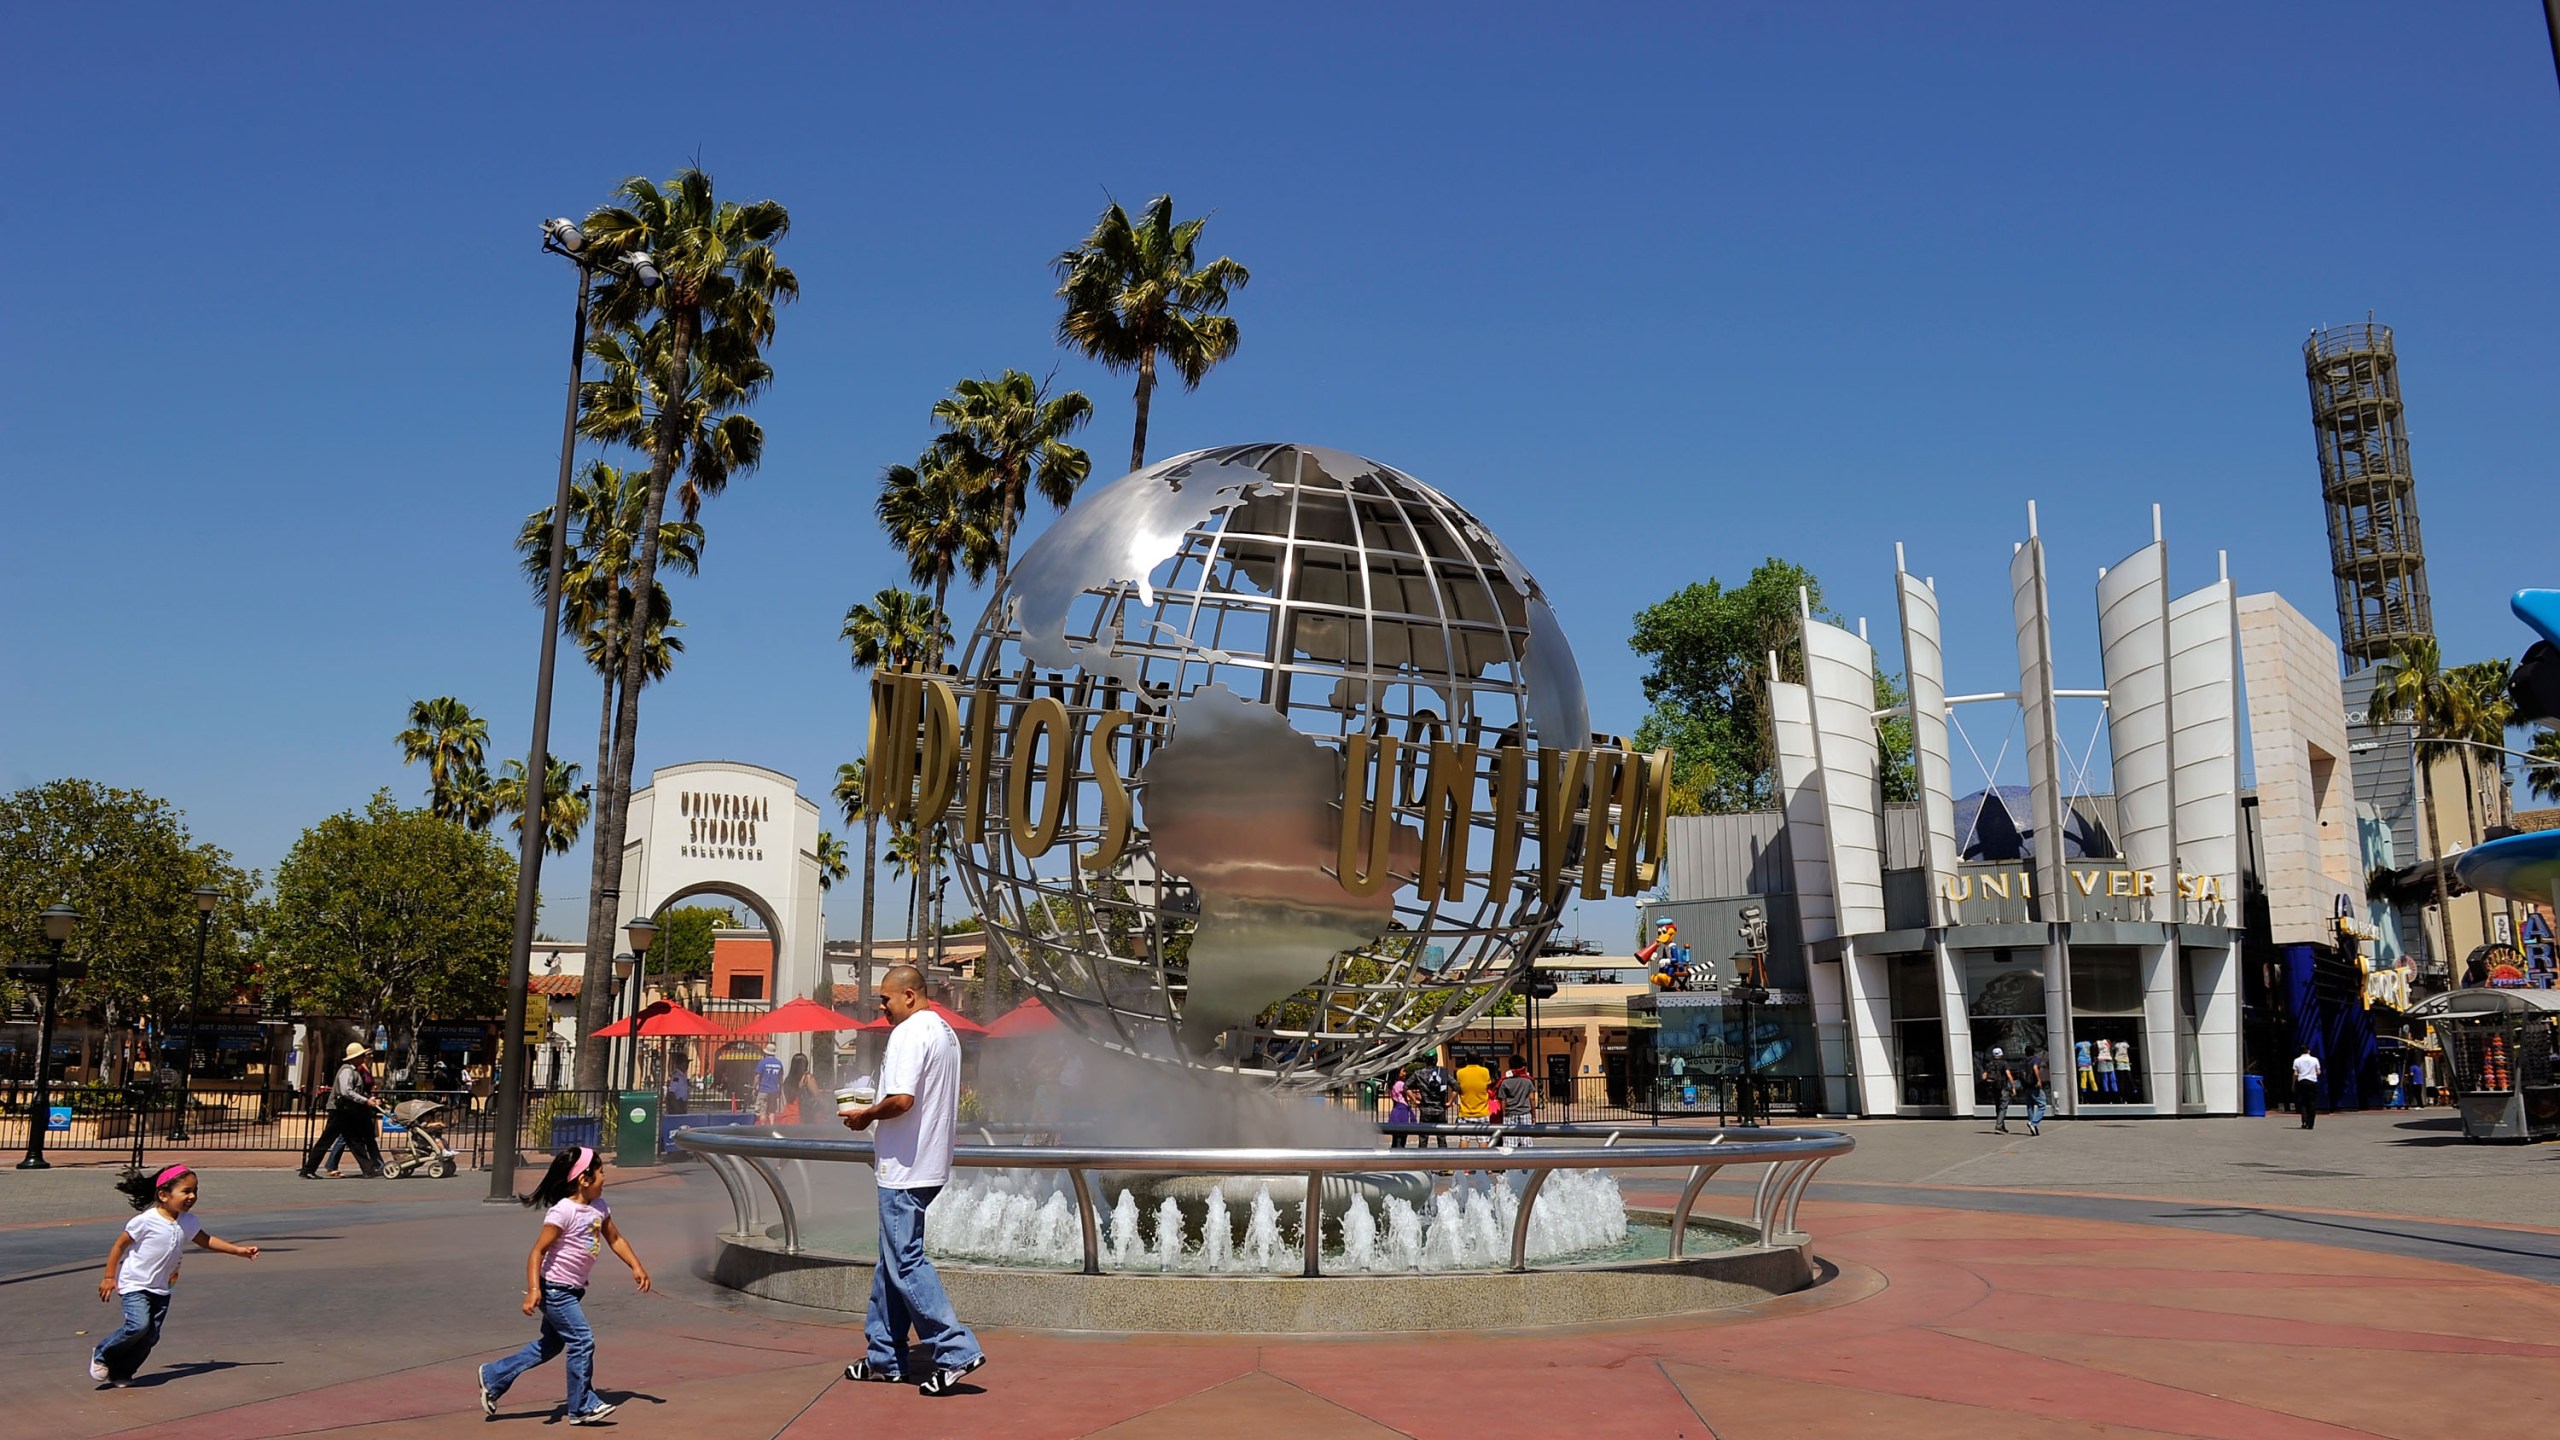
1010, 437
384, 913
1136, 294
939, 522
1709, 685
125, 861
452, 741
685, 940
693, 351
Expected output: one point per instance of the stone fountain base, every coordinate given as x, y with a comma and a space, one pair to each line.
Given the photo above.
1145, 1302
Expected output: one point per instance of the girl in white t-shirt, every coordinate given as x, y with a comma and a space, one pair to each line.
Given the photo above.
143, 1261
575, 1226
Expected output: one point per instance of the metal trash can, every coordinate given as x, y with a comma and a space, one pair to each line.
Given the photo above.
568, 1130
635, 1137
2253, 1096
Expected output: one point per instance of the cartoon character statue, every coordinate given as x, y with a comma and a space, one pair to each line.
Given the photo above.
1668, 958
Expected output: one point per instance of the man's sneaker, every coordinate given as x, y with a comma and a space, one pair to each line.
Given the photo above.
97, 1369
595, 1416
2034, 1129
941, 1381
865, 1370
488, 1397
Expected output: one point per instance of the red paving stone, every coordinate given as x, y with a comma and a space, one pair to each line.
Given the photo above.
1937, 1323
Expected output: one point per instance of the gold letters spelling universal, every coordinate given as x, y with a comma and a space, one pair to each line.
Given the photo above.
1606, 804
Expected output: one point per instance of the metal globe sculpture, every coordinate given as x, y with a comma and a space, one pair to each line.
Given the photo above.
1272, 759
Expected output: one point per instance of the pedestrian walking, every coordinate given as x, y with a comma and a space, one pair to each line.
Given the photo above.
576, 1224
143, 1263
353, 1114
799, 1093
2001, 1078
1399, 1108
2039, 1091
2306, 1086
918, 1108
1432, 1088
768, 1086
1518, 1094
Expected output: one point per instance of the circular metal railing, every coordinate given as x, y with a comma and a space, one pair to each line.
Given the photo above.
1790, 1156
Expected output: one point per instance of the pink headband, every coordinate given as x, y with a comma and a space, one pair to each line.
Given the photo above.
586, 1160
170, 1176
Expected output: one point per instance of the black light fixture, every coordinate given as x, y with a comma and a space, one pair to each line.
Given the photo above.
59, 921
207, 900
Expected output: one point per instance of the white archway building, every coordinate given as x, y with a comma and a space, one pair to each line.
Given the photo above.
739, 833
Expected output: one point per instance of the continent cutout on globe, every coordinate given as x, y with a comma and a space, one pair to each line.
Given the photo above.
1242, 806
1116, 535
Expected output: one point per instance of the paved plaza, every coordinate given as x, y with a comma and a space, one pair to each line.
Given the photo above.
2201, 1278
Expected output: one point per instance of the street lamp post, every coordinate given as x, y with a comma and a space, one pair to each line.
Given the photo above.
1750, 991
642, 933
206, 898
515, 1058
625, 965
59, 921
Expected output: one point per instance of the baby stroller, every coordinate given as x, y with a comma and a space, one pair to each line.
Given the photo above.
423, 1119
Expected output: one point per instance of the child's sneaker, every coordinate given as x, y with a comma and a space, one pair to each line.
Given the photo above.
941, 1381
97, 1369
594, 1416
488, 1397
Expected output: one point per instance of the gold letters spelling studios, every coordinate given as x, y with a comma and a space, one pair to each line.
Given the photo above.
1606, 805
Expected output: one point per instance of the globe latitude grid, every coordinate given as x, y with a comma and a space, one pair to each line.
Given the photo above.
1347, 598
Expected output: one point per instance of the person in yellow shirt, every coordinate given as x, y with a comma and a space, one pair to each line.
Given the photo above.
1475, 1091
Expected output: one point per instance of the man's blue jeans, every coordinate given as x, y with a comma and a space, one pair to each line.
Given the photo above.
124, 1351
906, 1294
564, 1327
2038, 1102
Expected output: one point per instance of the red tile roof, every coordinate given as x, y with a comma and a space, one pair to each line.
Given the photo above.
553, 984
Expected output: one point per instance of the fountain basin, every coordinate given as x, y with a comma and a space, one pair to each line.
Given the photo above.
1131, 1302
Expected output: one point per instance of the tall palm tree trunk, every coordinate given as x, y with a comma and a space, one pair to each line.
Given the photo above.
2475, 810
2435, 849
595, 1001
870, 879
1146, 392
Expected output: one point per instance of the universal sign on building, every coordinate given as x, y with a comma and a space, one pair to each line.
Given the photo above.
2131, 956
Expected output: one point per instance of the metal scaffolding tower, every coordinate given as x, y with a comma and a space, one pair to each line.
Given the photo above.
2374, 549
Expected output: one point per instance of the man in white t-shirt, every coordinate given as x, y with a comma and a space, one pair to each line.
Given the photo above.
2306, 1086
918, 1105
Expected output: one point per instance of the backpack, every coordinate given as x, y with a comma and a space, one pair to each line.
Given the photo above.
1432, 1088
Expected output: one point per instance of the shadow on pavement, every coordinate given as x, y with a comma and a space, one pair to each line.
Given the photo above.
192, 1369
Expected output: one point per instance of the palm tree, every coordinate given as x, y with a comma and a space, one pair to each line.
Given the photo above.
597, 602
1137, 292
564, 802
934, 519
695, 345
1012, 439
832, 865
893, 630
853, 783
916, 854
2477, 714
2542, 772
2412, 690
444, 733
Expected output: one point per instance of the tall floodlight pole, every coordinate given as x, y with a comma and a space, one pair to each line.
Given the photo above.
59, 921
515, 1058
206, 898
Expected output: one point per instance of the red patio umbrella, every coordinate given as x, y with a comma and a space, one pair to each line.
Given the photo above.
1028, 1018
959, 1022
664, 1018
801, 1016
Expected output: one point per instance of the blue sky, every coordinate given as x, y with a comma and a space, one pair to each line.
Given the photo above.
1656, 297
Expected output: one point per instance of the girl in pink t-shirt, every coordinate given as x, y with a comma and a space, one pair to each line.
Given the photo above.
575, 1225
